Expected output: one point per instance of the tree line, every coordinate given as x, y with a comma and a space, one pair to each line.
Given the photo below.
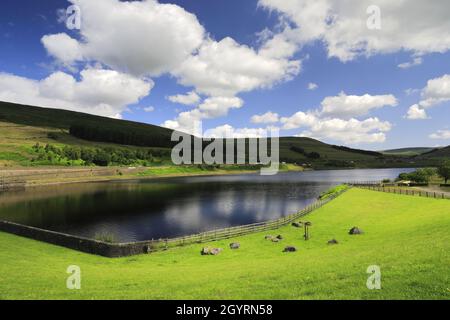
121, 135
365, 152
71, 155
425, 174
310, 155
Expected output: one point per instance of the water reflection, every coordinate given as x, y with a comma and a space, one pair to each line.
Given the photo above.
141, 210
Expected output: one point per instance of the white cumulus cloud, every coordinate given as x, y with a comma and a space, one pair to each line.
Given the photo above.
416, 113
417, 26
312, 86
299, 119
148, 38
213, 107
268, 117
441, 135
226, 68
149, 109
351, 131
348, 106
102, 92
137, 37
63, 47
188, 99
437, 91
415, 62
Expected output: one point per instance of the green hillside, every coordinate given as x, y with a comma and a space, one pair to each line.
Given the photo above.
63, 119
436, 153
22, 127
407, 151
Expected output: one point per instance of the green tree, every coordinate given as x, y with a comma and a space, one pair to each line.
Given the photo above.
102, 158
444, 170
418, 176
87, 155
72, 153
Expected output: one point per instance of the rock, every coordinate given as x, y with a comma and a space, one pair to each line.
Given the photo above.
290, 249
269, 237
279, 237
235, 245
355, 230
216, 251
297, 224
333, 241
210, 251
205, 251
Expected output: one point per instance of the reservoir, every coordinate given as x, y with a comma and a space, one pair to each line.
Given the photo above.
170, 207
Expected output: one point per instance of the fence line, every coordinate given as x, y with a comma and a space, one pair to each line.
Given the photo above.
226, 233
403, 191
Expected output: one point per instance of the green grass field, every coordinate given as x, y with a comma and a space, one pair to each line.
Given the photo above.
408, 237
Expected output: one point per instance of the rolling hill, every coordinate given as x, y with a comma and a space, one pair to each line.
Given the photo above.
23, 126
438, 153
407, 151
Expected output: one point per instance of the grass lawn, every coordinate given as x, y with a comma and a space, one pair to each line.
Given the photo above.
408, 237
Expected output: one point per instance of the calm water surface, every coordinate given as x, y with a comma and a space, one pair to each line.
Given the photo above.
142, 210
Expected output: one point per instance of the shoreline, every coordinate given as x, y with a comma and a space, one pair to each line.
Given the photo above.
143, 173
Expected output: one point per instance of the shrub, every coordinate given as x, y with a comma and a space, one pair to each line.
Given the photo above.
419, 176
444, 170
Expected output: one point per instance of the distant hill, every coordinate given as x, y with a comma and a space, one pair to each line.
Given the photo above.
80, 129
436, 153
63, 119
407, 151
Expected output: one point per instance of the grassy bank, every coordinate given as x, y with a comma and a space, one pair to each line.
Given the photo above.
57, 175
406, 236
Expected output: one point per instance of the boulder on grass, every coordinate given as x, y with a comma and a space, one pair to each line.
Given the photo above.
297, 224
355, 230
333, 241
205, 251
208, 251
235, 245
216, 251
290, 249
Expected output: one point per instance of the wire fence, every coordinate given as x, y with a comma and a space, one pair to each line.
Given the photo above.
226, 233
403, 190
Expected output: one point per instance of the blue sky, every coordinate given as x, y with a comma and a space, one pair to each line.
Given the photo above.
406, 106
